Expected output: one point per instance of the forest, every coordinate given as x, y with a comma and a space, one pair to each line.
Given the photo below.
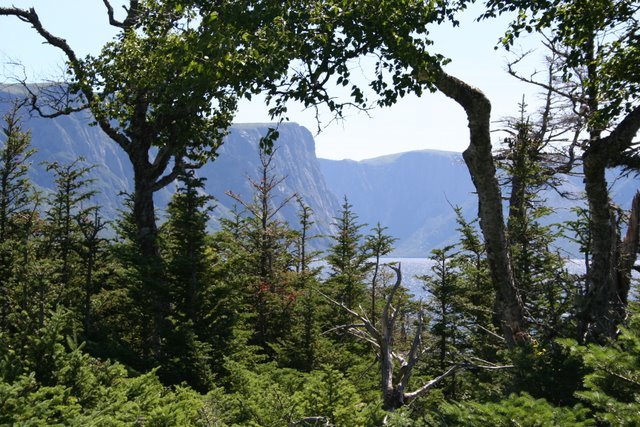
138, 322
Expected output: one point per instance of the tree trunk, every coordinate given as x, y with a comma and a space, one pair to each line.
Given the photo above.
479, 160
628, 251
608, 280
596, 321
151, 260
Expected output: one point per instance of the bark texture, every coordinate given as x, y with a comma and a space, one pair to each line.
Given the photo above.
479, 160
603, 308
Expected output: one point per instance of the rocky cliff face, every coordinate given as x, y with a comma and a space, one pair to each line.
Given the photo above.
65, 139
411, 193
294, 160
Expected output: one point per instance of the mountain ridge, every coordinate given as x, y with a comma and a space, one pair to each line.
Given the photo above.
412, 193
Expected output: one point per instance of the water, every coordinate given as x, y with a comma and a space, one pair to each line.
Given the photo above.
413, 268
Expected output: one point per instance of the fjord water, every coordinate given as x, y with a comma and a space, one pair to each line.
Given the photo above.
414, 268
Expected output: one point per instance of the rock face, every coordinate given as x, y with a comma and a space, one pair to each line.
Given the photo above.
67, 138
294, 160
412, 193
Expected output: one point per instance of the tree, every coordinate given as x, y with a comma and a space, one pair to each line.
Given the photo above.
377, 245
479, 160
269, 240
613, 381
596, 41
15, 199
92, 250
186, 231
530, 163
394, 383
301, 346
67, 205
444, 303
165, 90
347, 257
188, 266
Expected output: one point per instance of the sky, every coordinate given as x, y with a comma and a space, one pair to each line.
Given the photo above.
429, 122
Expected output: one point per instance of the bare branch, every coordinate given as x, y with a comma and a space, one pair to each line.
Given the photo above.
130, 20
414, 354
366, 323
431, 384
387, 306
30, 16
453, 369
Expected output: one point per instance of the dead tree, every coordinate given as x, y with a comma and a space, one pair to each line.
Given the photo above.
397, 367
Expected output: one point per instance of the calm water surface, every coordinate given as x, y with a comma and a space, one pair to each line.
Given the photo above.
413, 268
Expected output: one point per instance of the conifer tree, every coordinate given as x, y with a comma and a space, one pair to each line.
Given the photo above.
92, 251
67, 205
474, 280
347, 258
187, 267
123, 316
445, 308
377, 245
300, 348
16, 200
269, 240
539, 272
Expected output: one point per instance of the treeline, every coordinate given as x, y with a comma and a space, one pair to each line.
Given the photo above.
251, 335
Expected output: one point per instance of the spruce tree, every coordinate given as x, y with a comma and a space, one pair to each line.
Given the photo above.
68, 206
377, 245
347, 258
269, 241
300, 349
16, 201
184, 239
539, 272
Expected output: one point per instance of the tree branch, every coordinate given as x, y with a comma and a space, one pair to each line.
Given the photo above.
30, 16
129, 21
621, 138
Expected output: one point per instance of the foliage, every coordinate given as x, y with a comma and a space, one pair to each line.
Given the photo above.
612, 387
347, 257
177, 326
326, 393
81, 390
516, 410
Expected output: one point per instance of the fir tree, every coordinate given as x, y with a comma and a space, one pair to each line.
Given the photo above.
67, 208
347, 258
16, 201
187, 270
269, 241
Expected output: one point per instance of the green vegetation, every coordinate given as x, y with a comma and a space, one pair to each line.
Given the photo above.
173, 325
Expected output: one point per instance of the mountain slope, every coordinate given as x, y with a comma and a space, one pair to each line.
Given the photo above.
411, 193
67, 138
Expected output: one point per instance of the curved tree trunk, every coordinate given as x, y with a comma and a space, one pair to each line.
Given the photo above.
604, 306
479, 160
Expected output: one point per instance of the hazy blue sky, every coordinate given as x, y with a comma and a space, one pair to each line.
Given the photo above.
432, 121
